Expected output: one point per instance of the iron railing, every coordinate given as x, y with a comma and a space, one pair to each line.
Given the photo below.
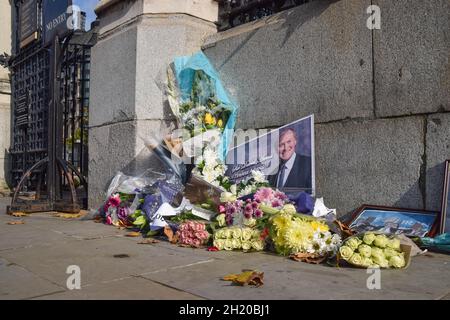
236, 12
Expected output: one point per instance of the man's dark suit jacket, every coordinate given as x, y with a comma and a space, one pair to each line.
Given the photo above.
300, 175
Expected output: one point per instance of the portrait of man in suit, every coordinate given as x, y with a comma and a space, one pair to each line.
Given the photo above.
294, 170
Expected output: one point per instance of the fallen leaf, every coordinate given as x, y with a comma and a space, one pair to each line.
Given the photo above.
18, 214
173, 238
344, 228
69, 215
16, 222
308, 258
247, 277
133, 234
148, 241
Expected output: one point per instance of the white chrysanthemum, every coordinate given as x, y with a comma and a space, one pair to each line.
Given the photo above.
258, 176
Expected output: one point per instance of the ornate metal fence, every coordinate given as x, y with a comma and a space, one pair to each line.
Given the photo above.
236, 12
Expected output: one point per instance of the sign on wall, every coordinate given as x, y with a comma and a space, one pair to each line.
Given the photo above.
57, 19
28, 22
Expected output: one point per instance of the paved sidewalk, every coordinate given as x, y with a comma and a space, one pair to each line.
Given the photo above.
34, 258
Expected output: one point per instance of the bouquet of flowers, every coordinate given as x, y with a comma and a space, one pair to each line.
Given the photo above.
373, 250
240, 212
237, 238
294, 234
192, 233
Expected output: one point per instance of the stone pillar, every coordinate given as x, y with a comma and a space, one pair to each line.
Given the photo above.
137, 41
5, 94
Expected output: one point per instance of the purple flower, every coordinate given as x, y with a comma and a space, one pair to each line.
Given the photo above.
248, 209
258, 213
254, 204
276, 203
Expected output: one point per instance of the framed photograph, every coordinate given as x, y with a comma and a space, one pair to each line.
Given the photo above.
445, 208
412, 223
285, 155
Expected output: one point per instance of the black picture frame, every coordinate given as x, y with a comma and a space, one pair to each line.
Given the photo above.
444, 223
421, 221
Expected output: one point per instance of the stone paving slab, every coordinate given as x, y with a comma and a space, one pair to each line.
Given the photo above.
427, 278
132, 288
40, 251
18, 283
96, 259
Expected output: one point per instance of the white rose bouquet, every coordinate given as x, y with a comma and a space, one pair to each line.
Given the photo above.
372, 250
238, 238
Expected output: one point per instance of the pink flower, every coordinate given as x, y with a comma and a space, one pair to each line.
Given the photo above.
108, 220
114, 201
276, 203
221, 209
254, 204
258, 213
199, 227
196, 242
263, 194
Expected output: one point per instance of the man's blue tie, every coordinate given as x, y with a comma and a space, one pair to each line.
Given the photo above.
280, 183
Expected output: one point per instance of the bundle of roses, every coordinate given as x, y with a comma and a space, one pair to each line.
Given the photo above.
371, 250
238, 238
192, 233
293, 233
239, 212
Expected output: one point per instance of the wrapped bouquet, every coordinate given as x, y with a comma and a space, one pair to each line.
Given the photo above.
301, 237
372, 250
237, 238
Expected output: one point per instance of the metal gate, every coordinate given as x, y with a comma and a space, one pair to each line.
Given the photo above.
50, 102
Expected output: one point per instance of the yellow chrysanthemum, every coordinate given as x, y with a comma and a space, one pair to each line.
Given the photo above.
319, 226
220, 123
299, 236
209, 119
282, 222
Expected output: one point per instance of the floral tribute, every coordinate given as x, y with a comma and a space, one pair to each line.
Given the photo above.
371, 250
237, 238
292, 233
245, 212
192, 233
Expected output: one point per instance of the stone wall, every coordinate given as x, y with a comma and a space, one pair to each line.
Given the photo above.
5, 95
380, 97
137, 41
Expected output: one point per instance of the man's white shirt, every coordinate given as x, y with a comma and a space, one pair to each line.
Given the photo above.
289, 164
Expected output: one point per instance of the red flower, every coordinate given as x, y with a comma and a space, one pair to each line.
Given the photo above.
264, 234
213, 249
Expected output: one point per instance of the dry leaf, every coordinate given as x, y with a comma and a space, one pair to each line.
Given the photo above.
148, 241
308, 257
344, 228
18, 214
133, 234
16, 222
69, 215
249, 277
173, 238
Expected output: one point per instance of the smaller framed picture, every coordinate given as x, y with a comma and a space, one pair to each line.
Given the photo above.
445, 208
412, 223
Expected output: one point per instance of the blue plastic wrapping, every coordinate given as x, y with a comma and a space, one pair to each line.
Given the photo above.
184, 69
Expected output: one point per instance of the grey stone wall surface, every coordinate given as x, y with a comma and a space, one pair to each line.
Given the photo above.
129, 65
380, 97
113, 78
316, 59
411, 56
370, 162
437, 151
